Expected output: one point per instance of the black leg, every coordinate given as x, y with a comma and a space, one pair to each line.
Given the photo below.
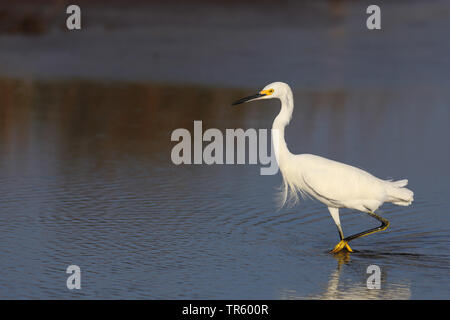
384, 225
341, 234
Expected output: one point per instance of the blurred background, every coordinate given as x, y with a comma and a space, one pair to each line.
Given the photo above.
86, 176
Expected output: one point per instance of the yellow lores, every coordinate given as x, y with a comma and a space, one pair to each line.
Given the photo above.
266, 92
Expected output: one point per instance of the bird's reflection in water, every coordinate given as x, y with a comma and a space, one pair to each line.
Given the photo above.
356, 290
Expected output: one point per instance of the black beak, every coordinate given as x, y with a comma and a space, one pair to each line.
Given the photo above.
247, 99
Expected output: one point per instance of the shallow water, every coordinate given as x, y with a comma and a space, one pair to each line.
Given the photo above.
86, 174
87, 179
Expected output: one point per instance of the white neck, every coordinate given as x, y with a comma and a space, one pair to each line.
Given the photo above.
280, 122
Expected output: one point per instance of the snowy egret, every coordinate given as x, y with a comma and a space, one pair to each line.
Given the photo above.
335, 184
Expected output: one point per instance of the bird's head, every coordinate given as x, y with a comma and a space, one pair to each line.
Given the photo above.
273, 90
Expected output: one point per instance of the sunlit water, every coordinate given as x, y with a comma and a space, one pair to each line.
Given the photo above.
87, 179
86, 176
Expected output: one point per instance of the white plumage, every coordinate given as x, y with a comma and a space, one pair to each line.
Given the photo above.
335, 184
339, 185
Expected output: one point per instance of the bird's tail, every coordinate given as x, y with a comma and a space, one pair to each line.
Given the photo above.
399, 195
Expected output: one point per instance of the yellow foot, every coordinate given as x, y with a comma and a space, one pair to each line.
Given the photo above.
340, 246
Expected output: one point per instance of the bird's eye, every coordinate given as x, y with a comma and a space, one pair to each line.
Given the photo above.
271, 91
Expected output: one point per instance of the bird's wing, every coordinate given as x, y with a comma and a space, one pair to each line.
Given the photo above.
339, 182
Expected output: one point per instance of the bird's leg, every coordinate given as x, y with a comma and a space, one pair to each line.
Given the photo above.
384, 225
343, 243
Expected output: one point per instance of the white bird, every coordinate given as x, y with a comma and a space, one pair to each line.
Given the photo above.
335, 184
